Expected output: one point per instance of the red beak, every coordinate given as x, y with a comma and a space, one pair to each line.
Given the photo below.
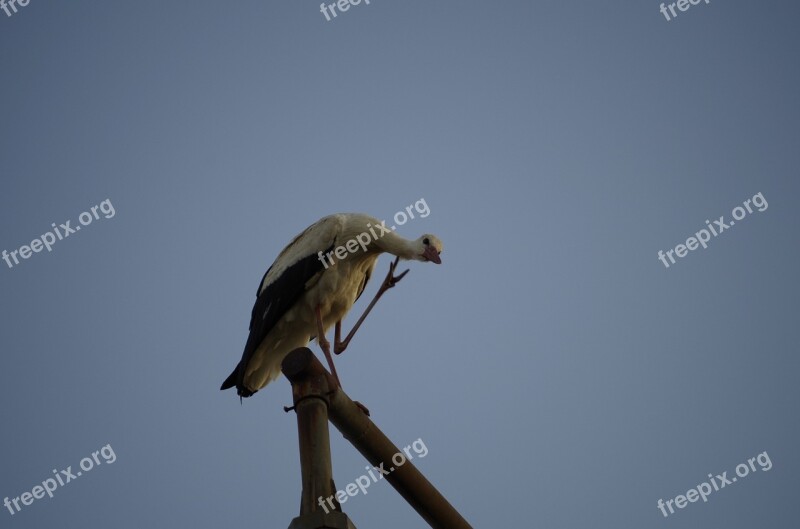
432, 255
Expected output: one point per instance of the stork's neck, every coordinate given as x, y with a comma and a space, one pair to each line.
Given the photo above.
396, 245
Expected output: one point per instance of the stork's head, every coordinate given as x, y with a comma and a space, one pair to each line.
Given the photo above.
428, 248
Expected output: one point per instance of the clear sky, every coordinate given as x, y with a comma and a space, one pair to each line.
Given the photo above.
558, 373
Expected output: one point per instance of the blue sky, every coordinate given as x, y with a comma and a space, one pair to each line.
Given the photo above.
558, 373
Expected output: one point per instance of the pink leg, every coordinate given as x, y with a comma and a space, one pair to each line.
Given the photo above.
325, 345
391, 280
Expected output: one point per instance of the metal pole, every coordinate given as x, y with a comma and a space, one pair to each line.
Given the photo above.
373, 444
310, 390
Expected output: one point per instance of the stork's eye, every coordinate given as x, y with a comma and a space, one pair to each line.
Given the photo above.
426, 241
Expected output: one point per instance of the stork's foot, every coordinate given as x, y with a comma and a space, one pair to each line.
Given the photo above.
362, 407
391, 279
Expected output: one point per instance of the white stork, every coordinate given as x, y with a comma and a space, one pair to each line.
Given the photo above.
312, 285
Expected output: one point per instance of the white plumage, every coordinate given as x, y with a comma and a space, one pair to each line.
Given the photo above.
308, 277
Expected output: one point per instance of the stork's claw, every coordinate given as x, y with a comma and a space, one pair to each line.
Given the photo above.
391, 279
362, 407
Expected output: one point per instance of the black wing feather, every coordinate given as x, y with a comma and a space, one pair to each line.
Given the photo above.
271, 304
363, 286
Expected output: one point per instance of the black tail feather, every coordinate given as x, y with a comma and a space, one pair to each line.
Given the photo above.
234, 381
231, 380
